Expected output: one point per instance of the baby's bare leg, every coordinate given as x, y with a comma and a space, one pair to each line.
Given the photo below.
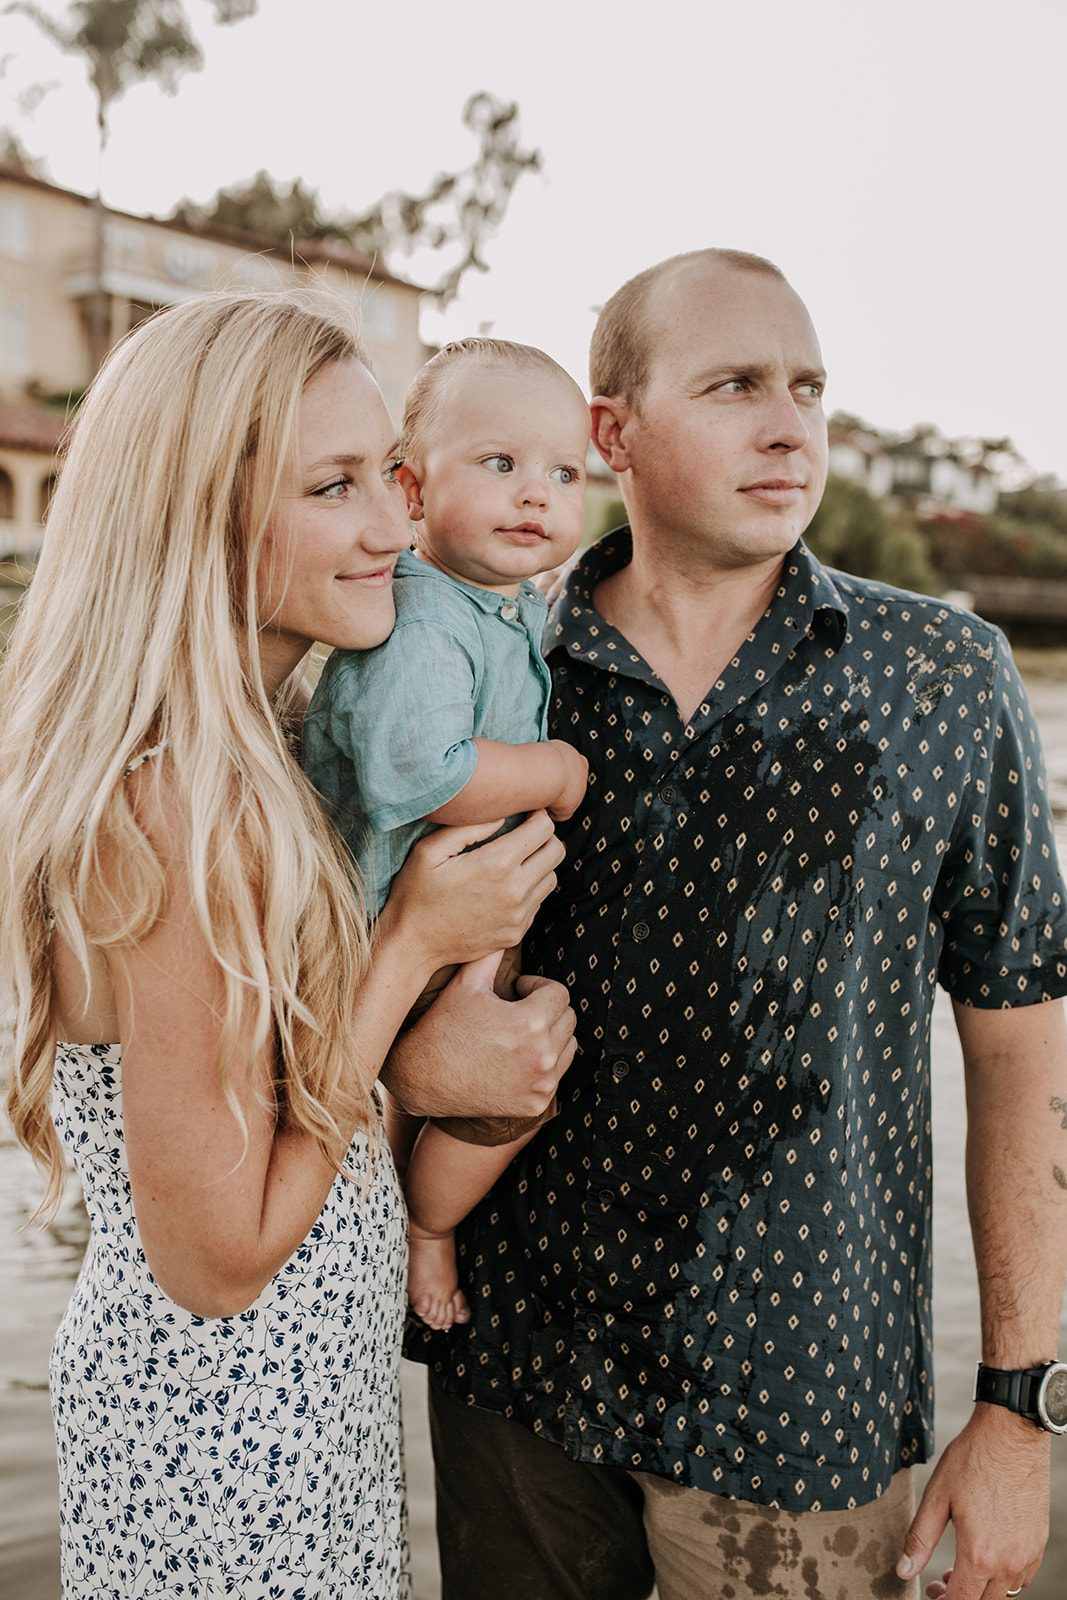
446, 1179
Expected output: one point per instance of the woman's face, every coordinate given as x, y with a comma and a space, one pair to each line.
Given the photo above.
326, 568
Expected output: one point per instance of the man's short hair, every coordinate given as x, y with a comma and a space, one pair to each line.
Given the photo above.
621, 350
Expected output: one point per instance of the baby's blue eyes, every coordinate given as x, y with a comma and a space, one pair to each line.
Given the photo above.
502, 464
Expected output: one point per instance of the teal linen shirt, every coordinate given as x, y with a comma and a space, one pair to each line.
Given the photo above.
389, 735
714, 1264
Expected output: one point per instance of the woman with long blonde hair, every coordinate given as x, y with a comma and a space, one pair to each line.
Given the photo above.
175, 909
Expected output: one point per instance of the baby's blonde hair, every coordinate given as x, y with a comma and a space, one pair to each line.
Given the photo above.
425, 399
139, 629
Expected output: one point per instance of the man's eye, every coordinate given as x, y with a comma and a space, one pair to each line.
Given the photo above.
499, 463
390, 471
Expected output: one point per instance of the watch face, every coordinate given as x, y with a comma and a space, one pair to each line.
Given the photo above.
1052, 1399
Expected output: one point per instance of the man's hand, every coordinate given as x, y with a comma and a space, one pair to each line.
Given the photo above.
473, 1054
992, 1482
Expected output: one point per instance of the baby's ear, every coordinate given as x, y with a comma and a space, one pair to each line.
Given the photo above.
405, 475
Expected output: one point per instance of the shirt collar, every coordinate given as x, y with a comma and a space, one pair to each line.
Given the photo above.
409, 565
807, 593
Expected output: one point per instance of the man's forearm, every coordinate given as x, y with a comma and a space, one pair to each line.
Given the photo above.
992, 1480
1016, 1072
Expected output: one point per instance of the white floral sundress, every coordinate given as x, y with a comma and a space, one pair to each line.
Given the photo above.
253, 1456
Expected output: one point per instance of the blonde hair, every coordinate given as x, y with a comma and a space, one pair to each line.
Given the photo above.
621, 349
425, 399
138, 630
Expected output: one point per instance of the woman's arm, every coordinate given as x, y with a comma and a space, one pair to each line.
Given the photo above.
219, 1217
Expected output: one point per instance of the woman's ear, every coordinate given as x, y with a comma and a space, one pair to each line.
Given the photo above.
406, 477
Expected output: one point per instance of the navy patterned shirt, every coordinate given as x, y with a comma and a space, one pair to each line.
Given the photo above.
714, 1264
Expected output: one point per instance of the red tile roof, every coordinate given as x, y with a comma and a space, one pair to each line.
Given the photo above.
28, 428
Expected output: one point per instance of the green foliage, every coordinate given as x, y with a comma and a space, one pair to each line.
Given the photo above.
456, 213
13, 153
262, 207
123, 41
1041, 502
603, 515
1000, 546
853, 531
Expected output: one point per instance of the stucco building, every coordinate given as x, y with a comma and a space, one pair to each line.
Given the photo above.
49, 268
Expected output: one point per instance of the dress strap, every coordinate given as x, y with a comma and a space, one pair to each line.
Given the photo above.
146, 755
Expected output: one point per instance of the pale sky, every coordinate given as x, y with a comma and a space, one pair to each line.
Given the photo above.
904, 164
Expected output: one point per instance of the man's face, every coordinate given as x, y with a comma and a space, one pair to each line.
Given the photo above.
727, 446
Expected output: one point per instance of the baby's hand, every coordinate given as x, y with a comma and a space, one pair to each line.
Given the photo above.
575, 776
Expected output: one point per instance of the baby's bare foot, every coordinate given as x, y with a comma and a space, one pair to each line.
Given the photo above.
433, 1283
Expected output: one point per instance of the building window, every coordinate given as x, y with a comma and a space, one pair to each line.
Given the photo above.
14, 228
48, 489
14, 337
7, 497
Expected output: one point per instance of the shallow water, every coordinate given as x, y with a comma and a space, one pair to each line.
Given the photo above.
37, 1269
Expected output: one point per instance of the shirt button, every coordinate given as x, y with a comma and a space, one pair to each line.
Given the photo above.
619, 1069
607, 1197
509, 611
668, 793
641, 930
593, 1320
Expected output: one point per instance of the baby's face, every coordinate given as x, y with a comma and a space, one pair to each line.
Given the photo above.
500, 490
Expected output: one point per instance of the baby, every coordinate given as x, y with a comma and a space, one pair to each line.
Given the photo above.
445, 721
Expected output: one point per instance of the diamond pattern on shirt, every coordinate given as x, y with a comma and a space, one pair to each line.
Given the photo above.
714, 1264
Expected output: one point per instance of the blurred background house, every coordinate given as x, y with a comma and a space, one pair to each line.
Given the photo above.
55, 278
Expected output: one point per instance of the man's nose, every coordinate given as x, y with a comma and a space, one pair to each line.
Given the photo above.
786, 428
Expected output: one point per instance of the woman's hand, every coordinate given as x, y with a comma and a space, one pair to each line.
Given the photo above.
473, 1054
453, 904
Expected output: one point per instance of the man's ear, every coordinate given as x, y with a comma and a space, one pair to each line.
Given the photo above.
405, 476
610, 415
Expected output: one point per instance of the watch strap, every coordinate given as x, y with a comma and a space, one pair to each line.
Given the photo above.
1016, 1390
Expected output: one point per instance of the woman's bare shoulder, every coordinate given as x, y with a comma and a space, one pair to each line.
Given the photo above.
84, 990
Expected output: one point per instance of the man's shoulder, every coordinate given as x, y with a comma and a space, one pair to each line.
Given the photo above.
907, 616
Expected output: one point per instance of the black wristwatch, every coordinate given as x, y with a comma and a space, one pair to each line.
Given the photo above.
1039, 1393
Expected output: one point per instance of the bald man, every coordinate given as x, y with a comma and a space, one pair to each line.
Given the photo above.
700, 1346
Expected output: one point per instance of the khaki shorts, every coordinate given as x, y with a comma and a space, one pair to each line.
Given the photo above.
516, 1517
704, 1545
